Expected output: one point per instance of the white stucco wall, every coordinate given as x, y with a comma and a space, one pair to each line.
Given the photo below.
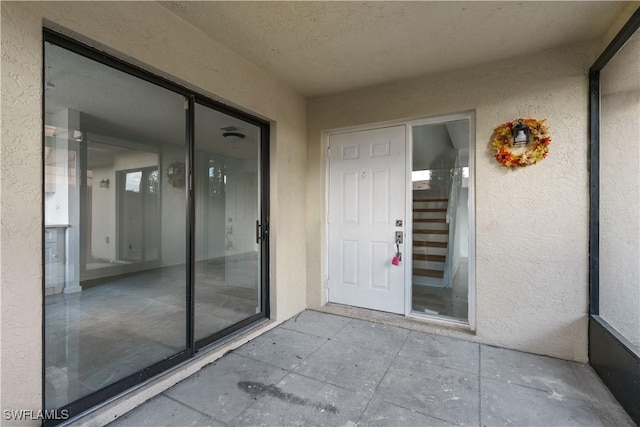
432, 148
149, 36
531, 224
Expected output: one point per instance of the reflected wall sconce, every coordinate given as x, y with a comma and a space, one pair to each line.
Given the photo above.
176, 174
520, 134
104, 183
48, 85
233, 136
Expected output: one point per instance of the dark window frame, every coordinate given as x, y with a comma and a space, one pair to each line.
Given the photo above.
611, 355
92, 400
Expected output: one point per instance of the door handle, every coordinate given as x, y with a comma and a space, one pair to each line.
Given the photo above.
399, 239
258, 231
262, 231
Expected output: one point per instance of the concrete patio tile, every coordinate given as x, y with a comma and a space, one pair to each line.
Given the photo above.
217, 389
591, 384
444, 393
602, 401
373, 336
316, 323
411, 378
512, 404
302, 401
162, 411
613, 415
284, 348
540, 372
442, 351
346, 365
384, 414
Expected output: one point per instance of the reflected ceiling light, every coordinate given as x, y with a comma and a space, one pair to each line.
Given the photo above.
233, 136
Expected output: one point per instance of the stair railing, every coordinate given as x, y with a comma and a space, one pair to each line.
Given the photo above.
452, 208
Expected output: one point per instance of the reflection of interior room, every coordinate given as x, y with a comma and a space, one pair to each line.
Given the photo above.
440, 178
115, 212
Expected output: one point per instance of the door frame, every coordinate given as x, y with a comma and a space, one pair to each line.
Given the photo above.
408, 229
471, 296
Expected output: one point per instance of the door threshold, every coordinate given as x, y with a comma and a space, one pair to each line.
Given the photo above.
421, 323
440, 320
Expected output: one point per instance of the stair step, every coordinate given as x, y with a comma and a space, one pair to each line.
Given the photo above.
426, 250
430, 244
440, 220
429, 210
430, 231
430, 200
429, 257
424, 272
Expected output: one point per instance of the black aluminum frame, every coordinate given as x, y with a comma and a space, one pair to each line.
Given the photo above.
611, 355
192, 347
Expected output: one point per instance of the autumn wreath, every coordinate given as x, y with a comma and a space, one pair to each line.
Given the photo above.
535, 150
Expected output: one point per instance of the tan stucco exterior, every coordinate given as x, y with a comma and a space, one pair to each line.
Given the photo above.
148, 35
531, 224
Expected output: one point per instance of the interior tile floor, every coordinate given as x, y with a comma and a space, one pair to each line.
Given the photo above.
325, 370
448, 302
114, 329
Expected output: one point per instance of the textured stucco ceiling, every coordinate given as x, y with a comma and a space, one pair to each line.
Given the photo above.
319, 48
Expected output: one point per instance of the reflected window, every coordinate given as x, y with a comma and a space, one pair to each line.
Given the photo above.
132, 181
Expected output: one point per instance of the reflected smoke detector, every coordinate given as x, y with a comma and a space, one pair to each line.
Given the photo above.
232, 134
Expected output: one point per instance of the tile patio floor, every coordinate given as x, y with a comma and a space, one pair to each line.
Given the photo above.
326, 370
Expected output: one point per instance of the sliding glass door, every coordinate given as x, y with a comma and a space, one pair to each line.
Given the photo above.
227, 202
155, 224
108, 312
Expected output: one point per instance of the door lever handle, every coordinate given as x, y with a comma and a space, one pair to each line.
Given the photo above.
258, 231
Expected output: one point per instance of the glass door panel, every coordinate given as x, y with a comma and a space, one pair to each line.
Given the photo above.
115, 244
619, 211
123, 204
440, 200
227, 205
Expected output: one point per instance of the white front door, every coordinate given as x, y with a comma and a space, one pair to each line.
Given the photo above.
367, 178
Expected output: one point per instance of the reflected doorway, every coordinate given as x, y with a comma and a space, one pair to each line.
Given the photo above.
138, 215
